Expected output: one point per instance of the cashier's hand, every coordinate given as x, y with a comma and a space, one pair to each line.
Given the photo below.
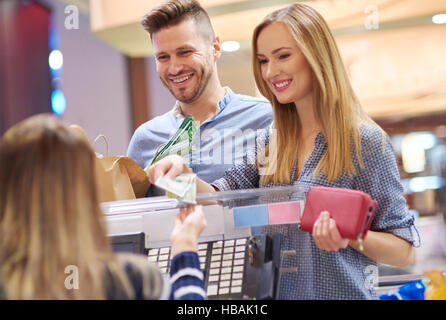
189, 224
170, 166
326, 234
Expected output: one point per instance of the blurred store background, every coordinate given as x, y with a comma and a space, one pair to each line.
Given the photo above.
89, 62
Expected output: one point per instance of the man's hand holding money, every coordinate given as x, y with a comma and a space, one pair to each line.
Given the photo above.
170, 167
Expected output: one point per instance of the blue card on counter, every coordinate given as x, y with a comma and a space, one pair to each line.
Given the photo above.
252, 216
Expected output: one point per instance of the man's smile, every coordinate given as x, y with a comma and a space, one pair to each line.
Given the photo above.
181, 80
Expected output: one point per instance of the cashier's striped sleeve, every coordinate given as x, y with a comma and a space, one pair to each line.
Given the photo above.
186, 277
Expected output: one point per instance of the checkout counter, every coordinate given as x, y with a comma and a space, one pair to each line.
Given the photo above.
236, 264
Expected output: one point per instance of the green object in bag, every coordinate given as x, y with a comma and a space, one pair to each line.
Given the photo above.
180, 143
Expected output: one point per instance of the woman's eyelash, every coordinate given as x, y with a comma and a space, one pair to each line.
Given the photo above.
282, 56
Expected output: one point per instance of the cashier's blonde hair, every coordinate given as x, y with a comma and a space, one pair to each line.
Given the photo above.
50, 219
336, 105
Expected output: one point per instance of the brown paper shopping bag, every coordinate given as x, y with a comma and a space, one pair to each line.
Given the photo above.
117, 177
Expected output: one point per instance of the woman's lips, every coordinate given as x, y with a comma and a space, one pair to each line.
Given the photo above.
282, 85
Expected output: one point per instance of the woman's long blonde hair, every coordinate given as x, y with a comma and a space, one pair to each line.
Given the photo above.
50, 219
336, 105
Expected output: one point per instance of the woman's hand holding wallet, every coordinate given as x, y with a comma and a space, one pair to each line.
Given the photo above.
326, 234
335, 216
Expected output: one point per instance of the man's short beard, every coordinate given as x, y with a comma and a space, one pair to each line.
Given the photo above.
196, 94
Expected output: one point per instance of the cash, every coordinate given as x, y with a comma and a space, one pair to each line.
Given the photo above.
183, 188
180, 143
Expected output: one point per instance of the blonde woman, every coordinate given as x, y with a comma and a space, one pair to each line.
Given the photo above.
52, 228
321, 137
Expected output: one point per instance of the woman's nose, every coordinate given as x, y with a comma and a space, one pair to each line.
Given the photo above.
271, 70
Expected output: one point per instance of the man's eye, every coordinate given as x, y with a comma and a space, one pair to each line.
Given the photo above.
162, 58
185, 52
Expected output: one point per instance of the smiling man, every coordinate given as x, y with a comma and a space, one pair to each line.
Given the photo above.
186, 50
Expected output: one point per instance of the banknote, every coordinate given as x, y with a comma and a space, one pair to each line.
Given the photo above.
180, 143
183, 188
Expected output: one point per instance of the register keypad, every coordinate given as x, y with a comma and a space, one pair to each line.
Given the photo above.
162, 257
226, 267
222, 262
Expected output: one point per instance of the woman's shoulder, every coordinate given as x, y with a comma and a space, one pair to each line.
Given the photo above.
265, 135
371, 133
375, 143
373, 138
135, 277
127, 257
137, 265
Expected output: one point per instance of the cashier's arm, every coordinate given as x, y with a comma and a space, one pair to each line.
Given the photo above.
171, 167
381, 247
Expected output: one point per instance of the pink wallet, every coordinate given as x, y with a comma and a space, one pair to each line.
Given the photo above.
353, 210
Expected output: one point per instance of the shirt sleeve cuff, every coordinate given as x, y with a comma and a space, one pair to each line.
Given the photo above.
221, 184
410, 234
186, 278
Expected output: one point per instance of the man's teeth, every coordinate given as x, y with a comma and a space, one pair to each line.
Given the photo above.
182, 79
282, 84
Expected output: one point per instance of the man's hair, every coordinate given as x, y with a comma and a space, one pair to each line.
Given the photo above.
173, 12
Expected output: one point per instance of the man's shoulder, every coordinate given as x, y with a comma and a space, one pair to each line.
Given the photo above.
157, 123
259, 109
254, 100
250, 101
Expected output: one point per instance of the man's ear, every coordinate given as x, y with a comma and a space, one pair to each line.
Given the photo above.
217, 47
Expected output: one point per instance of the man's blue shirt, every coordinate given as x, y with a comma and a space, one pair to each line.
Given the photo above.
220, 142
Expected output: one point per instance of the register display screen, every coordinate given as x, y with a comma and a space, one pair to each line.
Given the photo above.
133, 243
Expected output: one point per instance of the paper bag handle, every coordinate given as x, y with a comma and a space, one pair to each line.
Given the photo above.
106, 142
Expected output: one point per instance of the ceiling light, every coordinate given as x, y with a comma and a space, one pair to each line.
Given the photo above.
55, 60
58, 103
230, 46
439, 18
420, 184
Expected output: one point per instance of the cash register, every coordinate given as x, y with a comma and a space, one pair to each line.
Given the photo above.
236, 264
